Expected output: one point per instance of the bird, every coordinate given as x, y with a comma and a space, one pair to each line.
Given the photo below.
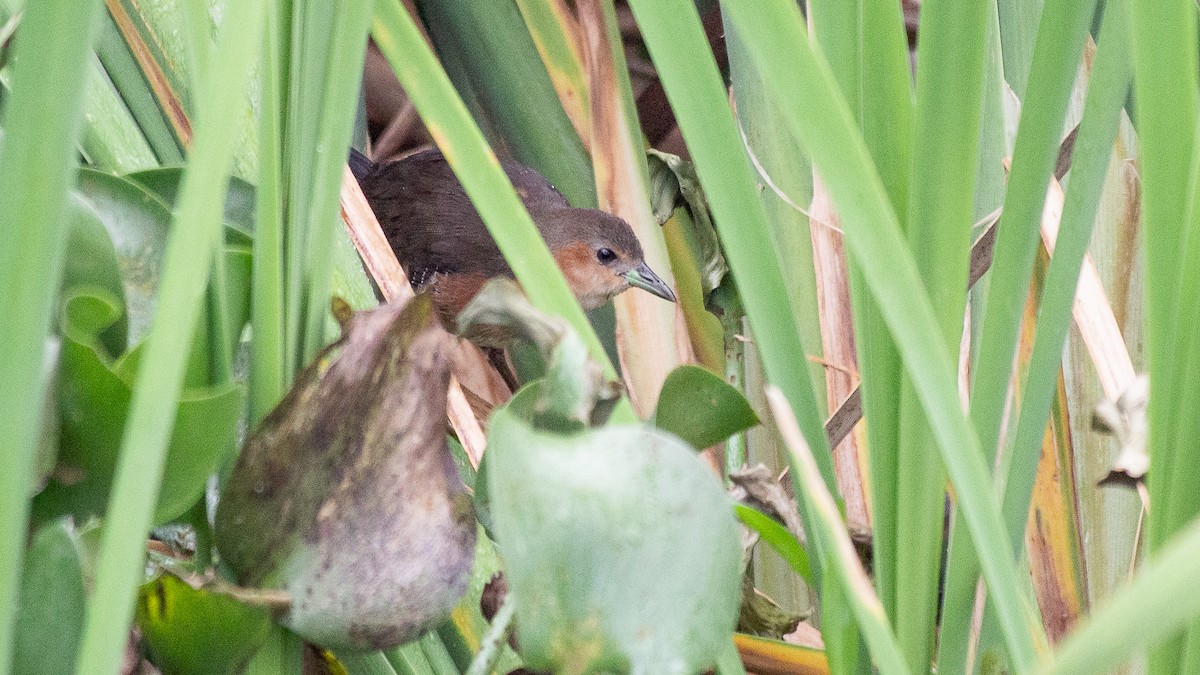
444, 247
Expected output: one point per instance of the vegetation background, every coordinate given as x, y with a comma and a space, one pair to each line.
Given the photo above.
858, 160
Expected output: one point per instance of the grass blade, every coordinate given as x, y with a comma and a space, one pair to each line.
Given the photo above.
677, 44
949, 87
476, 166
267, 356
344, 63
555, 33
646, 339
820, 119
185, 275
37, 164
1159, 602
833, 541
1060, 43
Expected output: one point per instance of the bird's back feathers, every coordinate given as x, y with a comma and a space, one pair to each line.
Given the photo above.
429, 220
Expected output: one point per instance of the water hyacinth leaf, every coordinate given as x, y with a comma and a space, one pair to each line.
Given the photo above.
702, 408
138, 222
93, 263
93, 399
673, 181
347, 497
620, 548
53, 598
239, 198
196, 631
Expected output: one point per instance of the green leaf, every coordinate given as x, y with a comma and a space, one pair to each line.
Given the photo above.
42, 118
1158, 603
777, 537
197, 631
239, 199
620, 548
701, 408
138, 224
574, 391
92, 263
781, 49
53, 598
189, 258
139, 221
512, 89
93, 397
482, 178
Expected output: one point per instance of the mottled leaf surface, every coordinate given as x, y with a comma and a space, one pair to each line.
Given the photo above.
347, 496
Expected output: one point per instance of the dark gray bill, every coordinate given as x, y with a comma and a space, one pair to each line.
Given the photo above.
644, 278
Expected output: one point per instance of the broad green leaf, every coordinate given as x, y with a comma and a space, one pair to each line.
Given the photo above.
92, 262
93, 398
195, 631
53, 598
239, 199
620, 548
701, 408
138, 222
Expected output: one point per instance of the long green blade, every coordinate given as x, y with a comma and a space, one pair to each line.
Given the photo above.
187, 262
802, 83
37, 164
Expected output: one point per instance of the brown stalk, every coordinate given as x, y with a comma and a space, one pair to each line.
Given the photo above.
168, 102
837, 345
646, 326
383, 267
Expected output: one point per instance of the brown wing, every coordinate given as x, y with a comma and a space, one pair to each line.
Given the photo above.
431, 223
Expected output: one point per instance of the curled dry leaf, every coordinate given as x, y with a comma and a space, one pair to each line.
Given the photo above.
574, 392
673, 181
347, 496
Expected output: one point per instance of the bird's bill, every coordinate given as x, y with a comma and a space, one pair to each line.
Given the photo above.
644, 278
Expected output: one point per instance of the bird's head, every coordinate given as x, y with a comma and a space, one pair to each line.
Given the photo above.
599, 255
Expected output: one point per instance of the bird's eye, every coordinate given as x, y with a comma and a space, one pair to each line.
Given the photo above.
605, 255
